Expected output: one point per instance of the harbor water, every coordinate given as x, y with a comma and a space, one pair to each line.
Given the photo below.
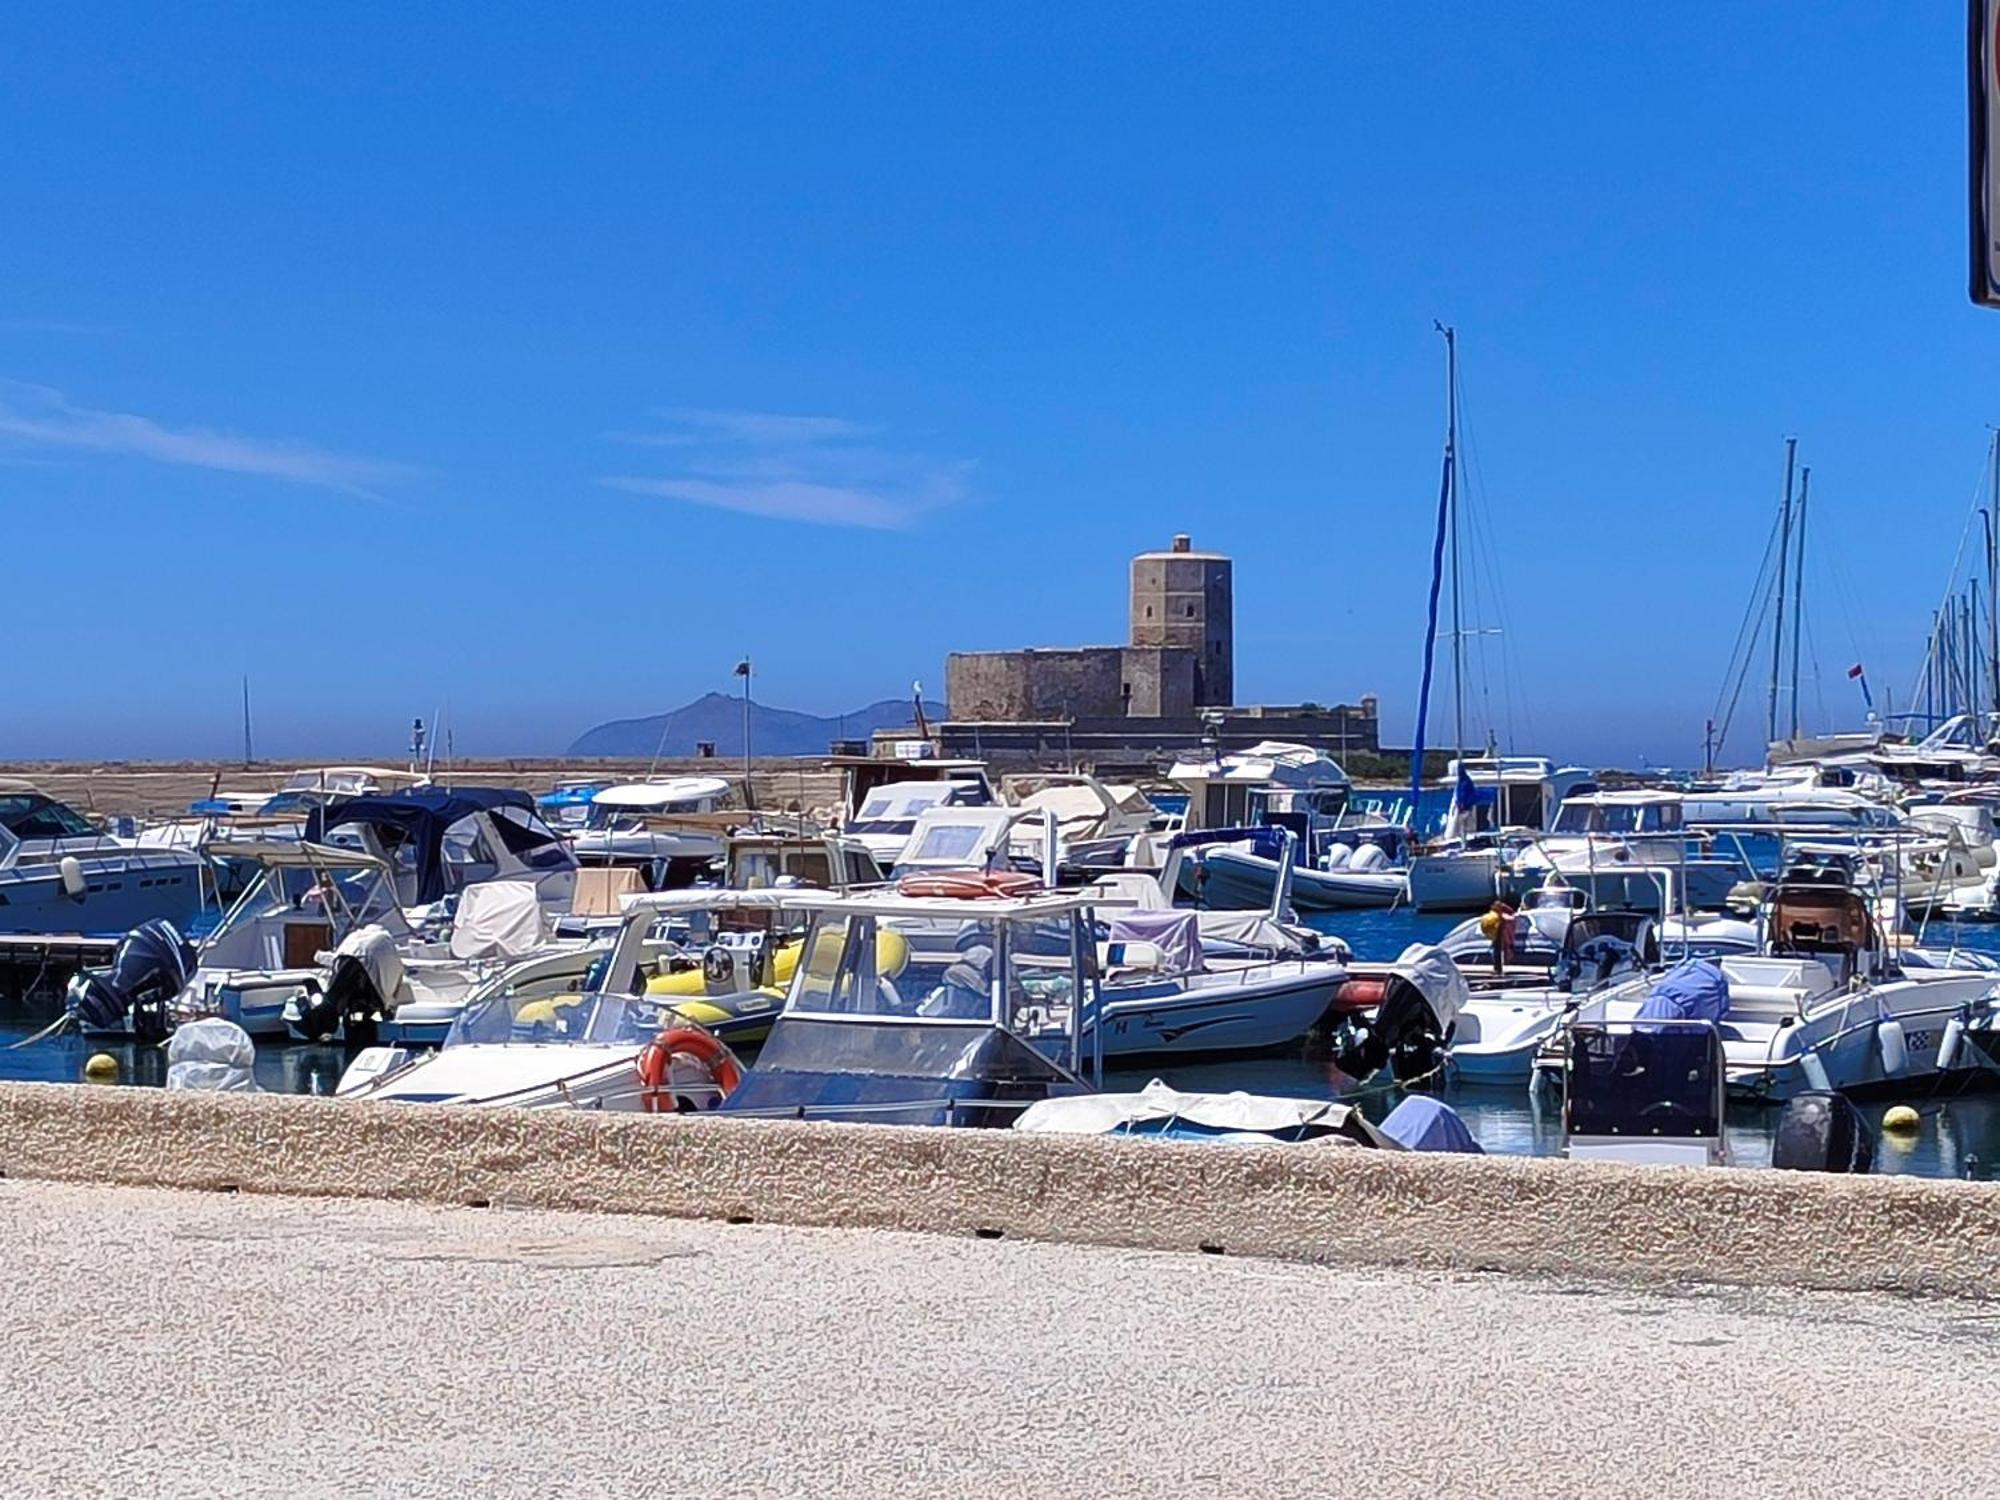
1959, 1133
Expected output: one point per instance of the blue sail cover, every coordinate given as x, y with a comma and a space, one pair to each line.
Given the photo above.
1423, 1124
1694, 991
421, 816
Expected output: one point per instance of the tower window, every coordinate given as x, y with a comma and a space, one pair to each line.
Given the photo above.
1149, 611
1190, 611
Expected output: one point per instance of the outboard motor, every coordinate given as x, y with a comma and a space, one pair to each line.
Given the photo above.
1411, 1027
1823, 1132
367, 981
151, 966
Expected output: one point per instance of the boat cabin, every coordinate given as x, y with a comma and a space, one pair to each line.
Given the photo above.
1495, 792
1242, 788
1619, 814
437, 841
862, 775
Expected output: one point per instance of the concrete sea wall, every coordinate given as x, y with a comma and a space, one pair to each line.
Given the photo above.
1322, 1203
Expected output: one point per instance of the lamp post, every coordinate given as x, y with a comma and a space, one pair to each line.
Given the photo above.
743, 671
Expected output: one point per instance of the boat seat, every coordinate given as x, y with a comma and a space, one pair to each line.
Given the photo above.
1764, 1000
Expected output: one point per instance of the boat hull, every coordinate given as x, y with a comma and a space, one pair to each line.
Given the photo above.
1244, 1011
121, 891
1453, 882
1234, 878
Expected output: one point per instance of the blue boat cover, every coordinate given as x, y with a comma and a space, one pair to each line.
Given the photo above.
422, 815
1423, 1124
1694, 991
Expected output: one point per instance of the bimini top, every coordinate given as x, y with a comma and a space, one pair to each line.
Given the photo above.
422, 815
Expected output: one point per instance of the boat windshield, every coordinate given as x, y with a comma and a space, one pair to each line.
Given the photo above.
1020, 975
895, 809
1609, 817
30, 815
570, 1020
353, 895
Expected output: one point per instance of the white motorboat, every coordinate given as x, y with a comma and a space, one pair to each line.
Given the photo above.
1825, 1004
1347, 860
1626, 849
1499, 804
1519, 996
59, 874
1095, 824
633, 826
1174, 981
567, 1028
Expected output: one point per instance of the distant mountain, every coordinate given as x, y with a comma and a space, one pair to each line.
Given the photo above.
718, 718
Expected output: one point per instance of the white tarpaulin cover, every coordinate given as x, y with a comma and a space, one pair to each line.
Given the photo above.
497, 919
1431, 970
1236, 1116
376, 951
1255, 929
213, 1055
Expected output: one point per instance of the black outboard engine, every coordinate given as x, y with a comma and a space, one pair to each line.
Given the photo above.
1823, 1132
349, 1007
151, 965
1404, 1035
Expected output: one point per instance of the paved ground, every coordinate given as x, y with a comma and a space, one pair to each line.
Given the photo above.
179, 1345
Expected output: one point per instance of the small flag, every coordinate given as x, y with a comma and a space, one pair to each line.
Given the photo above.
743, 667
1855, 670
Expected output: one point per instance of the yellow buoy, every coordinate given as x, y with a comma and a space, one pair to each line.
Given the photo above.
102, 1068
1900, 1117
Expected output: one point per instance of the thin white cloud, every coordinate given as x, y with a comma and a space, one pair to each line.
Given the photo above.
765, 427
35, 416
793, 468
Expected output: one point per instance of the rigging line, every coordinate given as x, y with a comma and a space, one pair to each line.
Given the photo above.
1744, 653
1486, 554
1951, 580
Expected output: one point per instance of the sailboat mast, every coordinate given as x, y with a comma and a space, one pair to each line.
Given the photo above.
1799, 594
1993, 569
1451, 481
1437, 575
248, 758
1784, 556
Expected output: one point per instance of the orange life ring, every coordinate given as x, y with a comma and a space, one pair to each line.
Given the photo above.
655, 1063
970, 885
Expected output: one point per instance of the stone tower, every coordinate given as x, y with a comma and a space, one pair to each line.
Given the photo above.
1183, 600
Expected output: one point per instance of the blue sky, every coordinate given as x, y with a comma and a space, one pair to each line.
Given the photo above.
542, 362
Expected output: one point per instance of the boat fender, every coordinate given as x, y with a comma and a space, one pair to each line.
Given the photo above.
655, 1068
1814, 1070
70, 870
1954, 1034
1890, 1044
101, 1068
1900, 1119
1822, 1132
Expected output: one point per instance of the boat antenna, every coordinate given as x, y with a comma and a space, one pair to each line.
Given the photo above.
248, 758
